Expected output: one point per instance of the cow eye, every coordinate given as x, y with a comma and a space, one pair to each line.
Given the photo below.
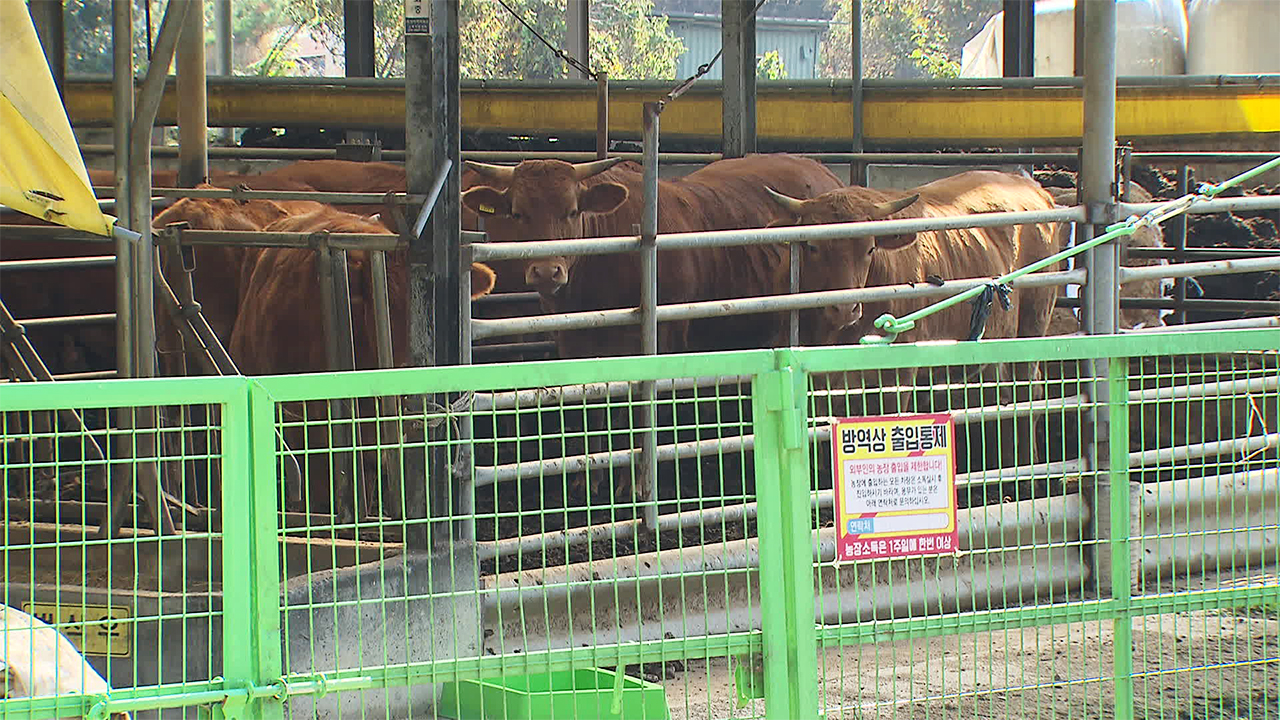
811, 247
516, 216
574, 213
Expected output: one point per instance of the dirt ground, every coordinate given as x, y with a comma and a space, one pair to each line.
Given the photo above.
1204, 665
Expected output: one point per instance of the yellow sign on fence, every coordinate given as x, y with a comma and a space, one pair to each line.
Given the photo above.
93, 629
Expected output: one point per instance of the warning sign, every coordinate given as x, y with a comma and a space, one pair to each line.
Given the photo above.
93, 629
895, 486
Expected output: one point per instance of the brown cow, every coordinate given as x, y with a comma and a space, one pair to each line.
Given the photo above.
916, 257
919, 257
280, 328
221, 270
550, 199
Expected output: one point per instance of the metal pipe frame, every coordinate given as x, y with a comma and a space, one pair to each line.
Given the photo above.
531, 249
578, 34
777, 303
257, 238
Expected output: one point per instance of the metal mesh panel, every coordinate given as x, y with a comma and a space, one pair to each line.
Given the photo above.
473, 545
1100, 504
1205, 474
124, 587
481, 541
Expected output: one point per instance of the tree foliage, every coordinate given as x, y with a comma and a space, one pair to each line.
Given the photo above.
905, 38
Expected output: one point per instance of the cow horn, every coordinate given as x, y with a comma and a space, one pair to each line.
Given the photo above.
889, 207
582, 171
501, 173
788, 203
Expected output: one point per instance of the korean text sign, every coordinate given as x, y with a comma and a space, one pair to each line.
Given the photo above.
895, 479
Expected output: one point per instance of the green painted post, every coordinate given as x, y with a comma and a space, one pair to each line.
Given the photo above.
250, 565
1121, 520
786, 542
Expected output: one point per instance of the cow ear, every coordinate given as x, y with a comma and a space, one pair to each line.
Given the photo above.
482, 280
893, 242
602, 198
487, 201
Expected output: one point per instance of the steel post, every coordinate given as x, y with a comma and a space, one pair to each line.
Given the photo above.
193, 116
602, 115
222, 45
857, 168
578, 33
1178, 228
1100, 309
1019, 38
738, 104
432, 135
47, 17
358, 48
122, 98
647, 467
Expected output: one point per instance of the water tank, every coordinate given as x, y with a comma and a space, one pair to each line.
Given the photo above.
1151, 39
1227, 37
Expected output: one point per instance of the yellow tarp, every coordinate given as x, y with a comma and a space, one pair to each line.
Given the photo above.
41, 171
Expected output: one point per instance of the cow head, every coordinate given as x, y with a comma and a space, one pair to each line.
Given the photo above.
542, 200
482, 280
843, 263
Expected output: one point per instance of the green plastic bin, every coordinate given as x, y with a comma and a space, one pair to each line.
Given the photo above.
554, 696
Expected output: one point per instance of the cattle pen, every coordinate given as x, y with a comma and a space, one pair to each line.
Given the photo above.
442, 518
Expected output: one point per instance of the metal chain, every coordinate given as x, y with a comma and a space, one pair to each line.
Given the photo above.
574, 62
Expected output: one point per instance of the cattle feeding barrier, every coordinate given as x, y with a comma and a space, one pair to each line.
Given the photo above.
736, 604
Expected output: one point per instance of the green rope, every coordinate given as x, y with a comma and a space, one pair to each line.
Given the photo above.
894, 326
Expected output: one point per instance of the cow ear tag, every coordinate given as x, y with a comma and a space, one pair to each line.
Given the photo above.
487, 209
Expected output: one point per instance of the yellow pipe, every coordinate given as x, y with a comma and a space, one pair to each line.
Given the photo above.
815, 114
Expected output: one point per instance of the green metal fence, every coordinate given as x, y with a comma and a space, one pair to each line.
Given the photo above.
465, 542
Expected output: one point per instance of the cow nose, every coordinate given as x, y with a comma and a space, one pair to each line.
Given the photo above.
842, 316
546, 277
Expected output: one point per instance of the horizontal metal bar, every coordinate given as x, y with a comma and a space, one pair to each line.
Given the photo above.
339, 198
1162, 303
714, 87
508, 349
531, 249
1167, 456
1259, 322
1201, 253
92, 375
68, 320
51, 232
565, 395
508, 298
97, 261
1232, 204
343, 241
1224, 388
484, 328
691, 158
1129, 274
